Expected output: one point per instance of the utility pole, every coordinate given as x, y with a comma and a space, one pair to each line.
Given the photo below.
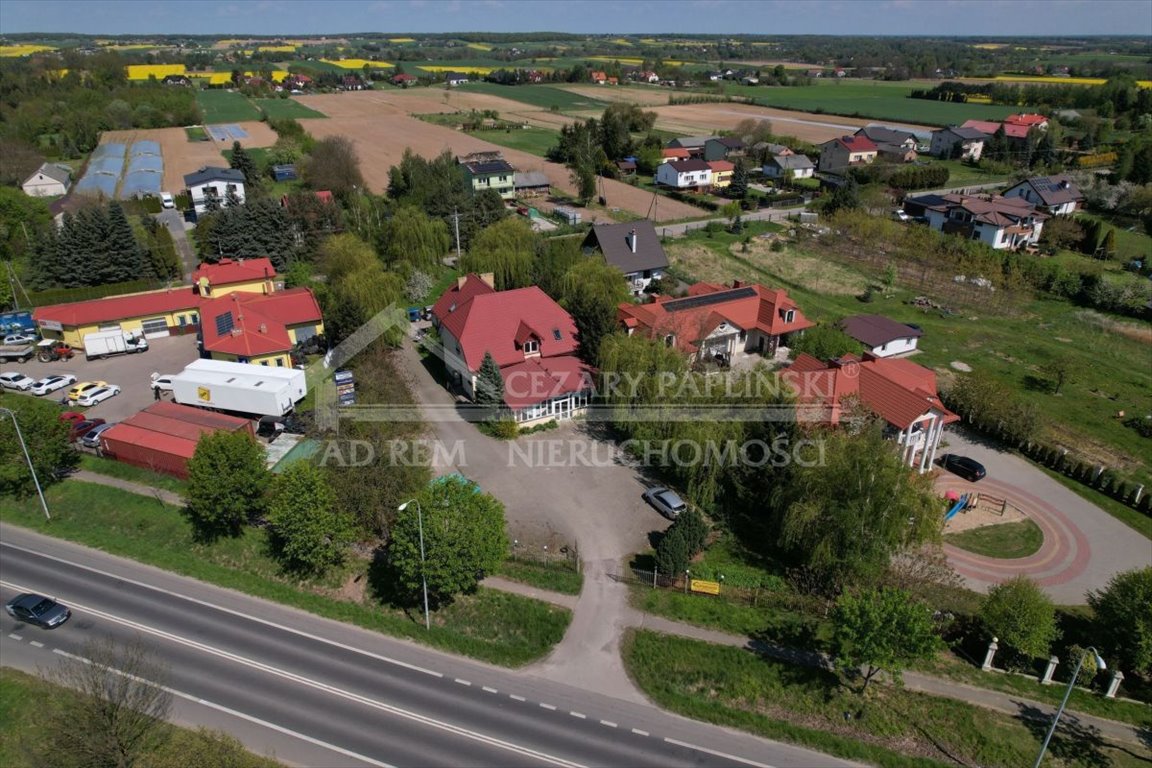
456, 225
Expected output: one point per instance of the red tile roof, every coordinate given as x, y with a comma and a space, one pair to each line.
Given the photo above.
900, 391
721, 166
989, 127
488, 321
231, 271
1026, 119
857, 143
116, 308
539, 379
259, 323
748, 307
675, 152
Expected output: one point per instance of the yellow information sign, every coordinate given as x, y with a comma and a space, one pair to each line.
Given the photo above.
204, 394
707, 587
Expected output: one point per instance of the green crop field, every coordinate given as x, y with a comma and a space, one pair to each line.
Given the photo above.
543, 96
870, 99
225, 107
536, 141
283, 109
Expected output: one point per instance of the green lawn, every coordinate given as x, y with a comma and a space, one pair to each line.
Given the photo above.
123, 471
284, 109
889, 727
554, 577
960, 174
24, 700
536, 141
220, 106
874, 99
1006, 541
542, 96
496, 627
196, 133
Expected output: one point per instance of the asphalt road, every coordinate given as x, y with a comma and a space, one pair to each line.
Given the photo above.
316, 692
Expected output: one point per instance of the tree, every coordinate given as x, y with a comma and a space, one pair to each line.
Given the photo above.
845, 519
591, 290
507, 249
117, 717
1124, 619
307, 532
738, 188
490, 385
881, 629
1108, 247
242, 161
1058, 372
680, 543
47, 440
464, 539
413, 238
1021, 616
825, 342
418, 286
226, 484
334, 166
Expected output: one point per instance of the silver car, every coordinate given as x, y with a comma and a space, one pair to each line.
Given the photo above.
16, 380
665, 501
37, 609
91, 438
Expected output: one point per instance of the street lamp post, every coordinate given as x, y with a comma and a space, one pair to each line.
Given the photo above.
1100, 665
423, 569
32, 469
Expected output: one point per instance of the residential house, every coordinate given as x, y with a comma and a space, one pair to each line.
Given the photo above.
675, 153
211, 186
297, 82
694, 145
530, 337
489, 170
722, 171
259, 329
177, 80
229, 275
454, 79
1039, 122
891, 144
882, 336
775, 150
402, 80
531, 184
1000, 222
649, 77
626, 167
899, 391
970, 142
847, 151
1055, 195
352, 83
49, 180
633, 247
1016, 135
598, 77
724, 148
718, 323
685, 174
789, 167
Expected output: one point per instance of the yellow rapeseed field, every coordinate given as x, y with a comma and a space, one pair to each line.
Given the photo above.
480, 46
1062, 80
438, 68
622, 41
158, 71
401, 39
357, 63
23, 50
277, 48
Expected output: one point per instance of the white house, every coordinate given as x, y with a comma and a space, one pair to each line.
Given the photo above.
970, 140
214, 184
685, 174
789, 167
1001, 222
882, 336
1055, 195
49, 180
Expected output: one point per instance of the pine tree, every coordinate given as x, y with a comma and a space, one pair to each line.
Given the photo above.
490, 385
738, 189
1108, 249
242, 162
126, 259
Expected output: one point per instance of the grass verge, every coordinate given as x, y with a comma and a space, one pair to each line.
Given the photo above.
489, 625
1132, 518
554, 578
23, 703
890, 727
1006, 541
132, 474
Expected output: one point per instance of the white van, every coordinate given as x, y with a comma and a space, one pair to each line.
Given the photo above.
166, 200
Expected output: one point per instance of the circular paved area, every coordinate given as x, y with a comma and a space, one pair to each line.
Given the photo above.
1062, 557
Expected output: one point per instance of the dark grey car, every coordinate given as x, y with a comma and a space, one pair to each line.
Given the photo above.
36, 609
665, 501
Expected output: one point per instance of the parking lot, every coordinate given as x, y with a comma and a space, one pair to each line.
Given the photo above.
132, 373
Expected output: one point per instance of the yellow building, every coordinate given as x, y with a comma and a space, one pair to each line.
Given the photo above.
155, 315
721, 173
244, 327
228, 275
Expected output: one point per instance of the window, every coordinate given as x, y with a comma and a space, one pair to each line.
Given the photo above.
279, 362
670, 340
531, 346
263, 362
556, 334
194, 318
789, 315
155, 325
305, 332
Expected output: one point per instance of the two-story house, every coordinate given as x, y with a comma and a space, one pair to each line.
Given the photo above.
633, 247
211, 186
1055, 195
958, 142
1000, 222
891, 144
722, 171
694, 145
530, 337
259, 329
229, 275
685, 174
845, 152
724, 148
717, 323
489, 170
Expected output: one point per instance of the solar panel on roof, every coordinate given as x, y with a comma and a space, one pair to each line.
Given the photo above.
694, 302
224, 324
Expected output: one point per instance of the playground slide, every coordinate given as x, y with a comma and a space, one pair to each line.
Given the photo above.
959, 505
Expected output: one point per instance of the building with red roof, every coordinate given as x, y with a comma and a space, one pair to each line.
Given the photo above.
154, 314
1028, 121
530, 337
899, 391
228, 275
163, 436
1013, 131
846, 152
1000, 222
717, 323
244, 327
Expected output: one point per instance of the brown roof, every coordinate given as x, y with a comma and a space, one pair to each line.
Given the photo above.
875, 330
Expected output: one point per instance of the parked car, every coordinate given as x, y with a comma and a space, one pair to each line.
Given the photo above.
31, 608
53, 383
81, 428
83, 387
71, 417
166, 200
963, 466
16, 380
20, 338
162, 382
899, 215
91, 439
665, 501
97, 395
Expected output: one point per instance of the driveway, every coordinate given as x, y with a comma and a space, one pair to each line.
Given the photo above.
174, 221
1084, 545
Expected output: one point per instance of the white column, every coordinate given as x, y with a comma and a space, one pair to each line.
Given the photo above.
936, 439
929, 435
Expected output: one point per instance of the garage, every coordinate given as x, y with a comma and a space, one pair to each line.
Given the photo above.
155, 328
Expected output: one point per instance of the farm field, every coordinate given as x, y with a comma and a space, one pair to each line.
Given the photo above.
282, 109
697, 119
534, 141
542, 96
873, 100
644, 95
225, 107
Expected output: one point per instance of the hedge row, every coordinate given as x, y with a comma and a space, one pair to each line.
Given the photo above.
1098, 478
695, 200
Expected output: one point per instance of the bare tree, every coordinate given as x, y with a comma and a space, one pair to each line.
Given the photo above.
117, 717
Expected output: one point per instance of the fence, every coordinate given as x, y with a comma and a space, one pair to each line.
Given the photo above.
712, 585
554, 555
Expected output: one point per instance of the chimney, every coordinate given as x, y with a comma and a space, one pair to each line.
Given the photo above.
632, 240
489, 279
460, 281
263, 328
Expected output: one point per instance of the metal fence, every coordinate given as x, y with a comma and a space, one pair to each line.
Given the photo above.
554, 555
709, 586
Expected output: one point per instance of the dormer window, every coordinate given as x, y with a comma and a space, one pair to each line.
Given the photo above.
789, 315
532, 346
670, 340
556, 334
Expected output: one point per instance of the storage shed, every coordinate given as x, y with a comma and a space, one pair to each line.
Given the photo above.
284, 172
163, 437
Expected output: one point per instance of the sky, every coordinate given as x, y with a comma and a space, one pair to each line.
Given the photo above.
765, 17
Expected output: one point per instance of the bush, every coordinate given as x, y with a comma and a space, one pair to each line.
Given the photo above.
1021, 616
501, 429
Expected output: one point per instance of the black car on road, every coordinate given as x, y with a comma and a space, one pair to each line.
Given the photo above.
963, 466
31, 608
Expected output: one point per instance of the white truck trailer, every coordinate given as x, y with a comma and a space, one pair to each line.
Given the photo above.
105, 343
240, 387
